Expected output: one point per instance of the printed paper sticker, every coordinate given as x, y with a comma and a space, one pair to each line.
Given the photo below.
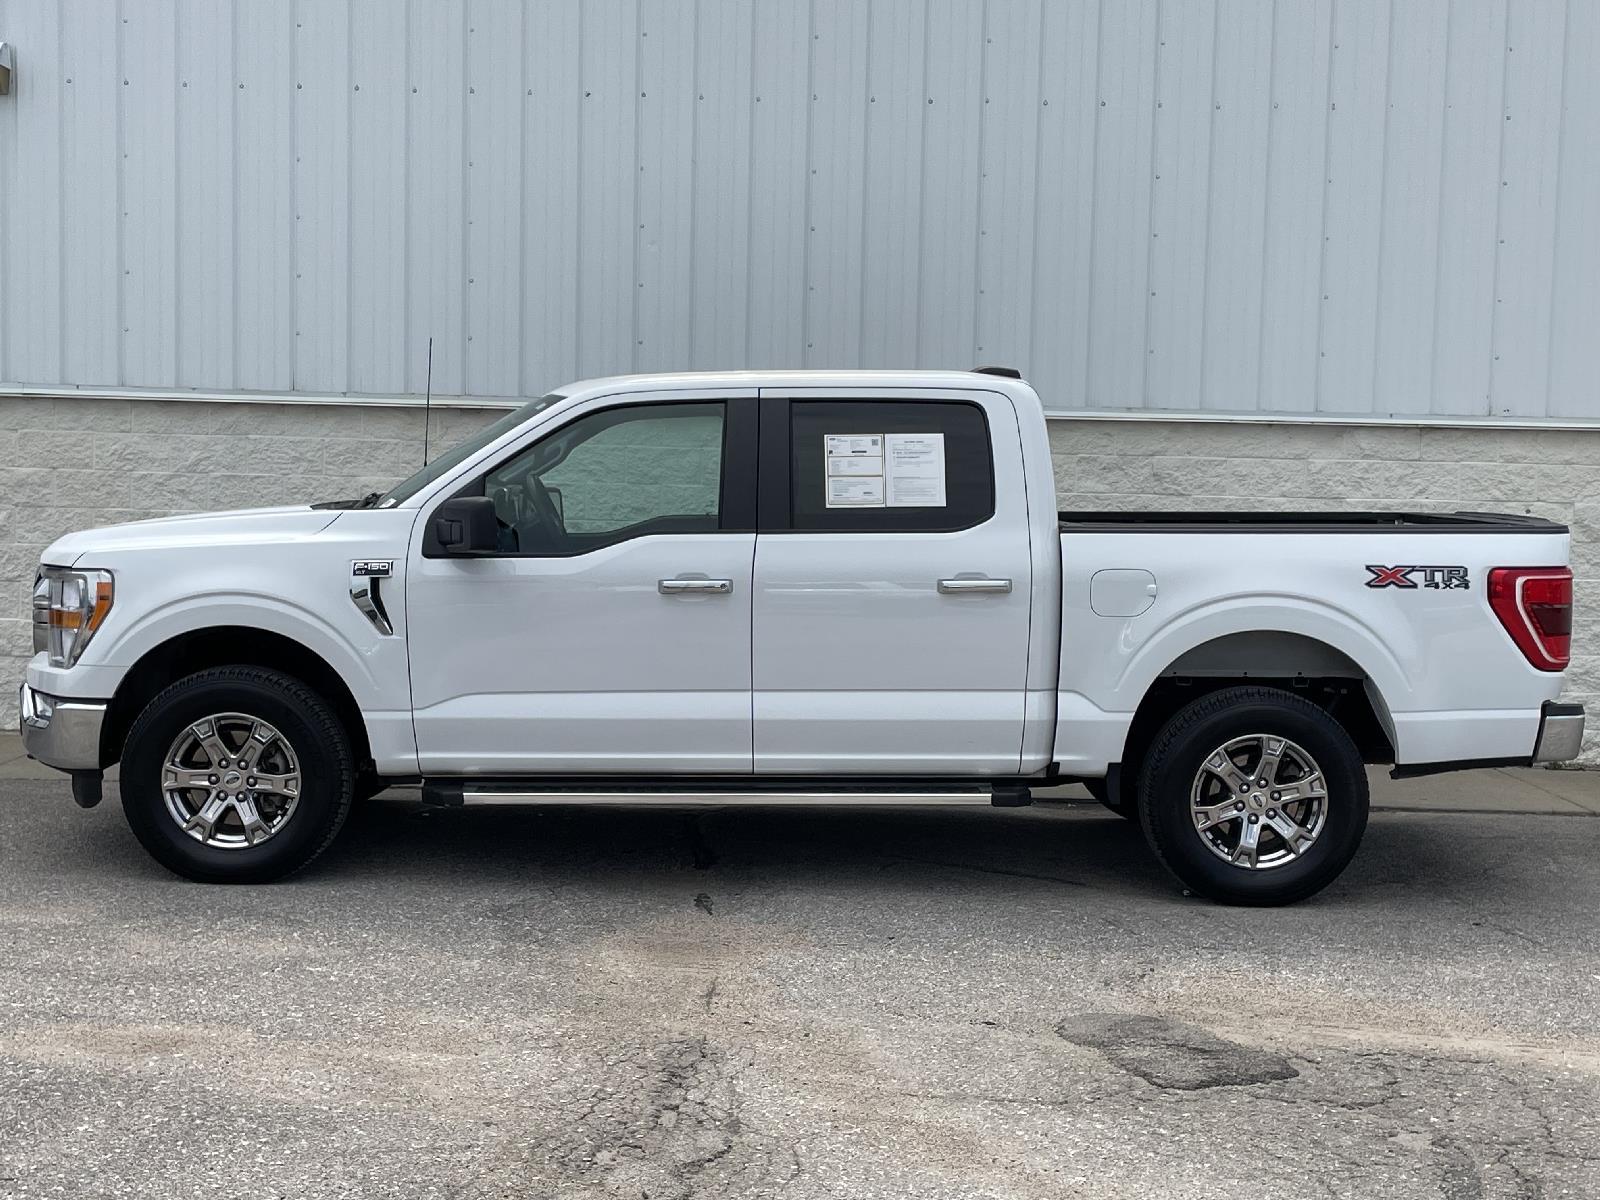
871, 470
914, 471
841, 445
855, 491
856, 466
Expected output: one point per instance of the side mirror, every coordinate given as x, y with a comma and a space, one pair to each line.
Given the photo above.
466, 526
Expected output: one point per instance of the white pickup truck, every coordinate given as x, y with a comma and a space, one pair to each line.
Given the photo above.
790, 587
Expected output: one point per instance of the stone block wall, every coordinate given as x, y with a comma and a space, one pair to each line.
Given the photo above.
75, 463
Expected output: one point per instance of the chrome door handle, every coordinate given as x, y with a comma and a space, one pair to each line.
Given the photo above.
955, 587
673, 587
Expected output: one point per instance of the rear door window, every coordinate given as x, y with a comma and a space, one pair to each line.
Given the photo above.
889, 466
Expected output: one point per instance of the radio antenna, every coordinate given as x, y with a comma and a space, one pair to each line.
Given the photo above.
427, 403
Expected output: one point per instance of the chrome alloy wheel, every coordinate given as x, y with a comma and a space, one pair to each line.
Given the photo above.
1259, 801
231, 781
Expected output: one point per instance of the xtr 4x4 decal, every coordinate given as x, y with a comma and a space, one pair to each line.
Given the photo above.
1432, 577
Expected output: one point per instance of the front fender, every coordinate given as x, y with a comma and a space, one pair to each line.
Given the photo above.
361, 669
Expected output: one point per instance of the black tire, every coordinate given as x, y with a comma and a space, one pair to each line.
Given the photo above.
1174, 762
1116, 792
305, 721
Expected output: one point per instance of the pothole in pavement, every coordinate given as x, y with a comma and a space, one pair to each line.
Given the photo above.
1170, 1054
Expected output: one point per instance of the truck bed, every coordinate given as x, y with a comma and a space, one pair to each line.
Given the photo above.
1303, 522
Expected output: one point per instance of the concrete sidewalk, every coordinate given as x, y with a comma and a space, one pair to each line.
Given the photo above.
1502, 790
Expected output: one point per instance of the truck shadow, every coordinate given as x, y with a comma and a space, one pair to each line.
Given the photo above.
1077, 846
1075, 850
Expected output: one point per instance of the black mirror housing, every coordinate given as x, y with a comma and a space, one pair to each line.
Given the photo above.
465, 526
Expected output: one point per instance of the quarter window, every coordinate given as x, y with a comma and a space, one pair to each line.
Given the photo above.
890, 466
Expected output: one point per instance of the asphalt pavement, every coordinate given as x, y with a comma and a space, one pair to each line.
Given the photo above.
803, 1003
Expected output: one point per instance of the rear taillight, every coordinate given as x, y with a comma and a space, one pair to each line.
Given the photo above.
1535, 606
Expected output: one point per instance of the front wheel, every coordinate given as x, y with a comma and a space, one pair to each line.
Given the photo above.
1254, 795
236, 775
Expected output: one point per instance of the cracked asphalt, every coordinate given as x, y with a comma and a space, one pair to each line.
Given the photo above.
797, 1003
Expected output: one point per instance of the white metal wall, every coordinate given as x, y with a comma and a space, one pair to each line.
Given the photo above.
1340, 206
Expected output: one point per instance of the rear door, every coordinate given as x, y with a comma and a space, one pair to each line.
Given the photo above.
893, 581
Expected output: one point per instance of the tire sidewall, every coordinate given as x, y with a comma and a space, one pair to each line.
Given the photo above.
1169, 777
324, 767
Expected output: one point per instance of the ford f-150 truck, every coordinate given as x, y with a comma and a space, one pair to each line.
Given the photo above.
790, 587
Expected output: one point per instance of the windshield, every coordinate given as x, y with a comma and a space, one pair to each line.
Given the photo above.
458, 454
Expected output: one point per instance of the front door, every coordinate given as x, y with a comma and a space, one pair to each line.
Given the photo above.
893, 585
611, 633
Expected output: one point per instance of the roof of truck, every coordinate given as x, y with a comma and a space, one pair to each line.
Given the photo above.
746, 380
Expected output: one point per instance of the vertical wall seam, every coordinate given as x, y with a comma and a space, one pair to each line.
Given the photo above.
1438, 226
1499, 215
694, 175
921, 199
638, 179
466, 201
866, 189
408, 331
1266, 202
294, 200
175, 317
578, 215
62, 273
1150, 212
1038, 170
924, 102
1383, 208
119, 55
1327, 165
522, 201
351, 83
806, 304
1555, 216
1094, 199
977, 232
750, 201
1210, 196
233, 200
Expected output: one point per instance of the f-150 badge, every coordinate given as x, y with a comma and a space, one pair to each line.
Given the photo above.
1432, 577
380, 568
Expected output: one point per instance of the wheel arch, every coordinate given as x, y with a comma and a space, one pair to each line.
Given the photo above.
224, 645
1291, 661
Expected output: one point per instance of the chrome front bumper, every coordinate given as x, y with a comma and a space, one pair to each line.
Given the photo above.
1560, 732
64, 734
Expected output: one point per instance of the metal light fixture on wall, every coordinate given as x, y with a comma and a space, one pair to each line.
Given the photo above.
8, 60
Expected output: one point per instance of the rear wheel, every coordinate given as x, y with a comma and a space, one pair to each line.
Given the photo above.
1254, 796
236, 775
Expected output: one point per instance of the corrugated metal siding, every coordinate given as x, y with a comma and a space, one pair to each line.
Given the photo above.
1337, 206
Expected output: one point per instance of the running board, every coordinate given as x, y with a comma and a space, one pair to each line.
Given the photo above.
456, 794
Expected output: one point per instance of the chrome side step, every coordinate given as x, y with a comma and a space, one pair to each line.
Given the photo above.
472, 799
456, 793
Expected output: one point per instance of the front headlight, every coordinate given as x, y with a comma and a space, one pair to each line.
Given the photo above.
68, 606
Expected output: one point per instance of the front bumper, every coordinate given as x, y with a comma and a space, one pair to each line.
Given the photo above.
1560, 733
64, 734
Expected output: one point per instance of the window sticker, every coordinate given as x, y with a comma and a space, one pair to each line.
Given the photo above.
914, 472
856, 466
854, 470
876, 470
854, 445
855, 491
